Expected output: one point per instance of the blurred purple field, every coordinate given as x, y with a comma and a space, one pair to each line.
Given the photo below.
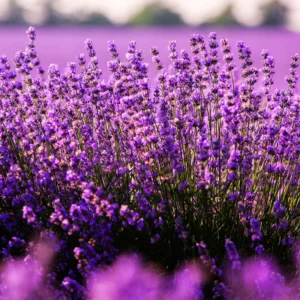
60, 45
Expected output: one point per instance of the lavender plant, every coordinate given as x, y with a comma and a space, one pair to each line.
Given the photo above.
207, 156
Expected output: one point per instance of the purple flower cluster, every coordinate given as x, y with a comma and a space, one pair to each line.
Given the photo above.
210, 152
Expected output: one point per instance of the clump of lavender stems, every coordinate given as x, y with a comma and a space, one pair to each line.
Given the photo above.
207, 156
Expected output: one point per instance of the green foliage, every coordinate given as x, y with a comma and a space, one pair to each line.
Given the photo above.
54, 17
156, 15
15, 14
226, 18
275, 13
95, 19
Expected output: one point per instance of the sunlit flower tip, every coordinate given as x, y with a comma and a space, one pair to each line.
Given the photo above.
31, 33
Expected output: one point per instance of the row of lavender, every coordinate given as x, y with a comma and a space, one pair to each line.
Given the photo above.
203, 165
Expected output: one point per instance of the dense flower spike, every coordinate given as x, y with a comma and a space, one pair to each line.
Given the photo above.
100, 166
233, 254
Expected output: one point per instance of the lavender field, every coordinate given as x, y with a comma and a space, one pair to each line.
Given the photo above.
133, 169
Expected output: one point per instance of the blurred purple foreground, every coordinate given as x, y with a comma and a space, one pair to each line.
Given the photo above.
61, 45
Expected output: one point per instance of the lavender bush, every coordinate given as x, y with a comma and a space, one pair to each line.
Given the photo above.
204, 164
